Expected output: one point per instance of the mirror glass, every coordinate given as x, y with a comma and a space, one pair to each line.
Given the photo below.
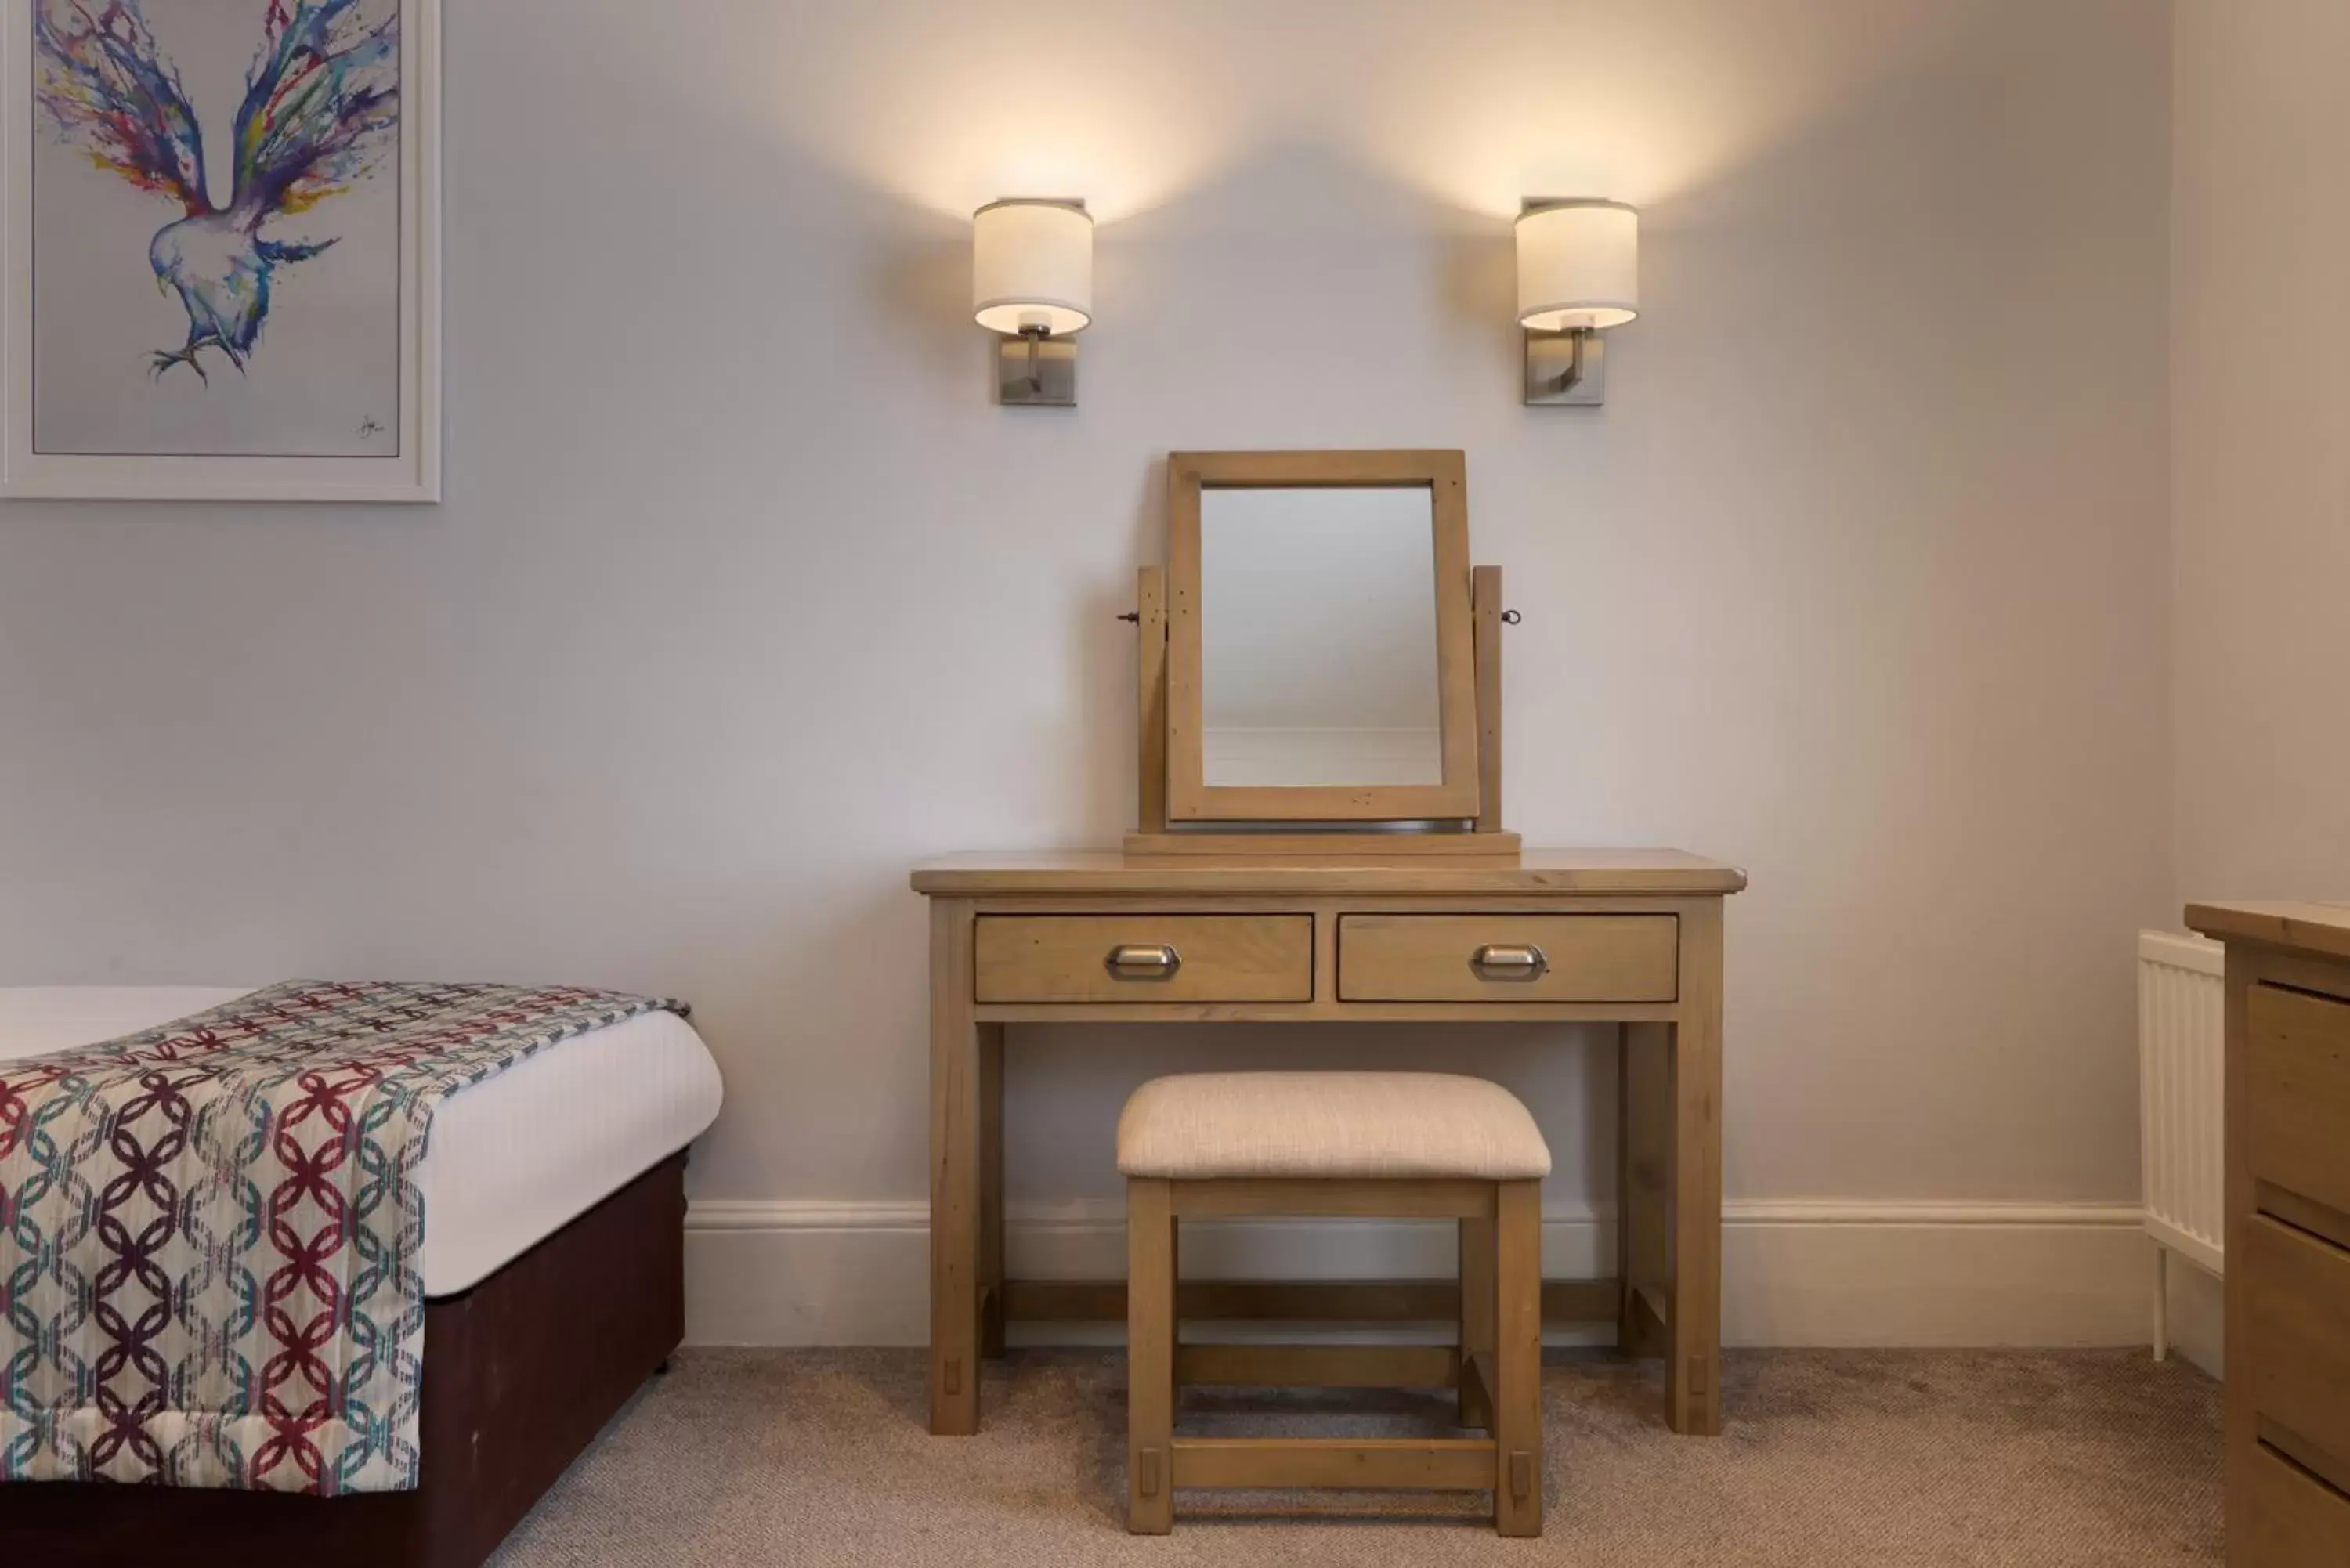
1317, 637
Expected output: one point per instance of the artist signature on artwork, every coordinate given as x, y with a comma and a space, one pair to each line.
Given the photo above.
370, 428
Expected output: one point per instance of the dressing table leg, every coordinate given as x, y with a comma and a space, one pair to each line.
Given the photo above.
956, 1094
1643, 1174
991, 1189
1693, 1321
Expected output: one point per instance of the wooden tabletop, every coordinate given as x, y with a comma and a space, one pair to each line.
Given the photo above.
2318, 928
1594, 871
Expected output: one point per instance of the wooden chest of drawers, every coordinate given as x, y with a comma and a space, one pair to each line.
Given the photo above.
2288, 1242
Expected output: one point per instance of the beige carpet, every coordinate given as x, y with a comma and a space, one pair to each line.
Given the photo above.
1872, 1458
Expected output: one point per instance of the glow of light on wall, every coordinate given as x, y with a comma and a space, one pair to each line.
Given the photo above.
1131, 106
1640, 101
950, 112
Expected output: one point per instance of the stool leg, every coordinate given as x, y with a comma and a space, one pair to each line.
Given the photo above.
1517, 1355
1476, 1404
1149, 1356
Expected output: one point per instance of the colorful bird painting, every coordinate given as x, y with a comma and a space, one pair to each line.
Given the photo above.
321, 108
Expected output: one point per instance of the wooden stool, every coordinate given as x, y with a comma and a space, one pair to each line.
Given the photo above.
1399, 1145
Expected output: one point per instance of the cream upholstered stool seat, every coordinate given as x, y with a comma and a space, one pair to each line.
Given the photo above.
1202, 1125
1405, 1145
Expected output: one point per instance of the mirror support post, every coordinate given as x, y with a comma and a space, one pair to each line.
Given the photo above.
1485, 612
1150, 697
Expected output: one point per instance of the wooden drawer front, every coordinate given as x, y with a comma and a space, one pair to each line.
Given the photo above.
1220, 958
2297, 1131
1581, 957
2292, 1520
2297, 1291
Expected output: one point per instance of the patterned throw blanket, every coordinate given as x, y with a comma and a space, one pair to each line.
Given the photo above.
209, 1232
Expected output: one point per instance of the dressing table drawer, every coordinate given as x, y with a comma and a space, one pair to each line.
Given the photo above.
1508, 958
1144, 958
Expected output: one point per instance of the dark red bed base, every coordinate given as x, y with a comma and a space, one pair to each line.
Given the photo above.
519, 1373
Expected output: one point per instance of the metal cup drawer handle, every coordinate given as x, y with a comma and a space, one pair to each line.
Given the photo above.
1143, 960
1523, 961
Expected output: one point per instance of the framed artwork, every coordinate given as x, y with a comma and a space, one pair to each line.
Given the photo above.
222, 249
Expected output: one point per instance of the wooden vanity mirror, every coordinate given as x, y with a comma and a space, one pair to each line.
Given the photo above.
1320, 671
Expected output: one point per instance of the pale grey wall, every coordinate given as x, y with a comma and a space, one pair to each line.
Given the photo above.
2261, 449
745, 598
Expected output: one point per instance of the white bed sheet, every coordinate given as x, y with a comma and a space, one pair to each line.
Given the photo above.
511, 1161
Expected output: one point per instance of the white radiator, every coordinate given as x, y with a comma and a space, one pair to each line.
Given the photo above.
2182, 1095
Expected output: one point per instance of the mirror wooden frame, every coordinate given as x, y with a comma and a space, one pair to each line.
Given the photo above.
1190, 798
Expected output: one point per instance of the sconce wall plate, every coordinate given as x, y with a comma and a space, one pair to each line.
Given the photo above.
1035, 370
1554, 376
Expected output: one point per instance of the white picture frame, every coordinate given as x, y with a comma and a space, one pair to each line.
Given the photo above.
413, 475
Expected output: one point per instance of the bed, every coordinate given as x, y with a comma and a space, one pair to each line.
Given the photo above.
554, 1279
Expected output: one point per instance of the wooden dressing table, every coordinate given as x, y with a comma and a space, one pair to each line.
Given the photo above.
1335, 914
1627, 937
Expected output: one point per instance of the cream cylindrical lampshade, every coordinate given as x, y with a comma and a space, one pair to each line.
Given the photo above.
1578, 265
1032, 264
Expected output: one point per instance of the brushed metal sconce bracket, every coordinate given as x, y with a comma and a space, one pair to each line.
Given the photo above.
1037, 371
1565, 370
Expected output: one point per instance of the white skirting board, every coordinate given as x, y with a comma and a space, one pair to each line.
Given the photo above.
1795, 1274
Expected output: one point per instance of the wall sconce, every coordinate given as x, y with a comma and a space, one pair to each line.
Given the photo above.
1578, 275
1032, 279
